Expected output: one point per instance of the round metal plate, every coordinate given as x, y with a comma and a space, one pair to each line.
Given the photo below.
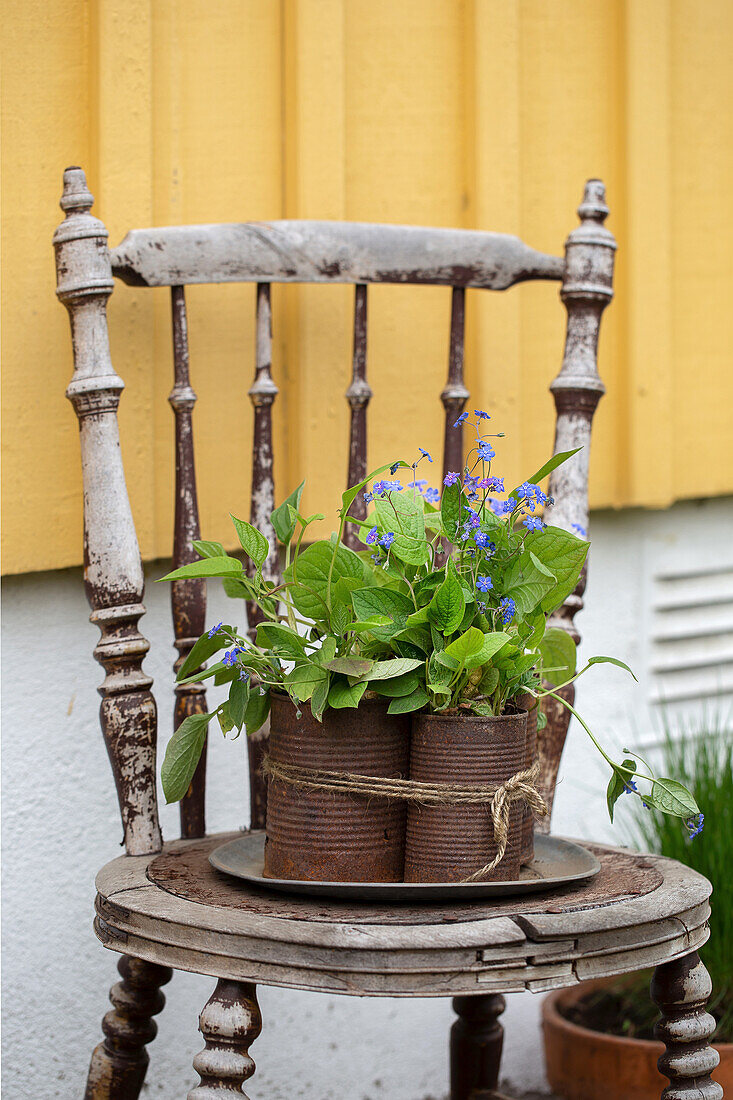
557, 862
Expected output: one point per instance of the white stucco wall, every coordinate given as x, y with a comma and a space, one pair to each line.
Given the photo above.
60, 822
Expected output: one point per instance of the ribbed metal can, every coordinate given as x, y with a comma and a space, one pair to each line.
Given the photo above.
323, 835
449, 843
531, 705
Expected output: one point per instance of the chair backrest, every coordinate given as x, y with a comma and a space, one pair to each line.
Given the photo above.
263, 253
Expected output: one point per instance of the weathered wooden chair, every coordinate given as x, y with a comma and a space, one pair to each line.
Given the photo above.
162, 906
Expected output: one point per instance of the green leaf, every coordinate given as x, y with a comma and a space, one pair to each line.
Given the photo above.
450, 510
448, 604
617, 784
541, 567
467, 645
282, 518
182, 755
204, 648
611, 661
418, 636
253, 542
488, 682
563, 554
319, 698
401, 685
673, 798
371, 602
281, 640
405, 704
549, 466
350, 666
527, 585
326, 653
493, 643
195, 677
340, 617
302, 680
224, 718
343, 694
559, 656
386, 670
258, 708
369, 625
348, 498
310, 572
209, 549
209, 567
238, 699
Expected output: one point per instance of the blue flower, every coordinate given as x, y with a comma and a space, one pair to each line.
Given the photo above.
481, 414
450, 478
394, 467
533, 523
695, 825
470, 482
368, 497
230, 658
474, 520
461, 420
485, 451
502, 507
484, 584
419, 484
391, 487
387, 540
432, 496
372, 536
215, 629
580, 530
495, 484
629, 786
244, 675
465, 534
425, 454
481, 606
377, 557
482, 539
508, 609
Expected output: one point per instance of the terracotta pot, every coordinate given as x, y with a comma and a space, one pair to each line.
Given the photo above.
327, 835
591, 1065
449, 843
531, 705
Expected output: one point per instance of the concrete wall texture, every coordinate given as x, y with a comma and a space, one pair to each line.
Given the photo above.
60, 820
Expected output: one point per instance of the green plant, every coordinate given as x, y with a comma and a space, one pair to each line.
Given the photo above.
445, 608
702, 756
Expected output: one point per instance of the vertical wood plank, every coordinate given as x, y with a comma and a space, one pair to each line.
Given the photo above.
188, 598
262, 393
455, 394
358, 395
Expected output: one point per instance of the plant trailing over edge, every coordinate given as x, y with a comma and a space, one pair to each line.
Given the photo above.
446, 609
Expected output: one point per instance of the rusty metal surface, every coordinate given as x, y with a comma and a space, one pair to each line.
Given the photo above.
186, 872
448, 843
558, 863
326, 835
188, 598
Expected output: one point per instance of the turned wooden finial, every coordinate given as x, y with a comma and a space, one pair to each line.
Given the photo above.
230, 1022
681, 989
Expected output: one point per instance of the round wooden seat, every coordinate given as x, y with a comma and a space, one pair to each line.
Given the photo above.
175, 909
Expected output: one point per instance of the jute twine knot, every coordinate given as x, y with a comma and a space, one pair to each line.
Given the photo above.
500, 799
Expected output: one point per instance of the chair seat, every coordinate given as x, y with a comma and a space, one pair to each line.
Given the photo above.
176, 910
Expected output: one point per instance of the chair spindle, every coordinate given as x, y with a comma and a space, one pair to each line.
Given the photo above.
587, 288
188, 598
359, 394
455, 395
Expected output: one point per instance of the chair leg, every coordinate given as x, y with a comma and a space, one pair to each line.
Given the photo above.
118, 1065
681, 989
230, 1023
476, 1039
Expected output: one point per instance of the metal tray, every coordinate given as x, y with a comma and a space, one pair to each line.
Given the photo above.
557, 862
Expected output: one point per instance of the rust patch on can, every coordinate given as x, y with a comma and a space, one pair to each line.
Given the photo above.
328, 836
448, 843
530, 704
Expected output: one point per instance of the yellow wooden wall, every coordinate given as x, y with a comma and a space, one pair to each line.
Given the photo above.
474, 113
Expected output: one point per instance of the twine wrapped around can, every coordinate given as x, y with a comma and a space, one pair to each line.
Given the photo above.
520, 788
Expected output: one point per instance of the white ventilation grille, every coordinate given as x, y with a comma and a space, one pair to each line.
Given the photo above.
691, 653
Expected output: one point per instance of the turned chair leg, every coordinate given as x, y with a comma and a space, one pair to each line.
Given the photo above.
230, 1023
681, 989
476, 1039
118, 1064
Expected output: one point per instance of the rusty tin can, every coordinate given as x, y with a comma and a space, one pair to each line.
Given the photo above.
531, 705
449, 843
328, 836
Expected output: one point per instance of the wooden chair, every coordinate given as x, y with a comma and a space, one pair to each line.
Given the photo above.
162, 906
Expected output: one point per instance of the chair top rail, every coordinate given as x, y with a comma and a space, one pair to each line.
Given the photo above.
328, 252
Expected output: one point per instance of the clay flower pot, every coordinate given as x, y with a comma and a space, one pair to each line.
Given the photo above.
591, 1065
448, 843
323, 835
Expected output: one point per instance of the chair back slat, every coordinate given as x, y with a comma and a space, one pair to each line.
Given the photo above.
188, 598
358, 395
113, 571
328, 252
455, 395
